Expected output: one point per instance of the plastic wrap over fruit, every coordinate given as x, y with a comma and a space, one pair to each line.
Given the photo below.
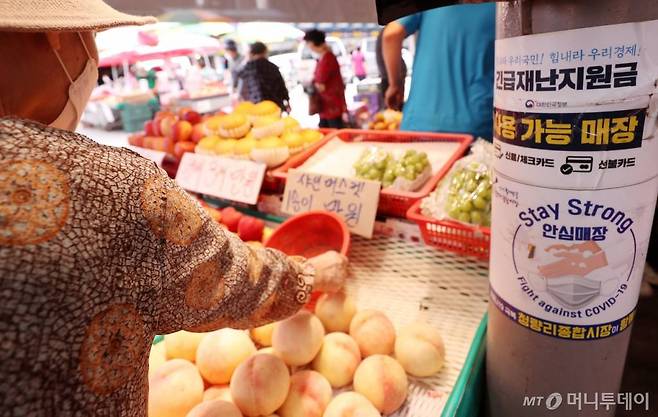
464, 194
407, 173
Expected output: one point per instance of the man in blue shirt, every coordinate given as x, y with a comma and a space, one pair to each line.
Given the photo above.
452, 81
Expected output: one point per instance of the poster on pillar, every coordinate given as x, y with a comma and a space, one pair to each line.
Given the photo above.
576, 177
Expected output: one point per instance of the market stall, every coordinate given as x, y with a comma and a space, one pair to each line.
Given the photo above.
382, 235
162, 64
266, 165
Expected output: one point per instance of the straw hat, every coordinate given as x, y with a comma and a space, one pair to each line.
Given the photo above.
63, 15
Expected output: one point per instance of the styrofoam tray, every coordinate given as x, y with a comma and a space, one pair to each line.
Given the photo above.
409, 282
337, 157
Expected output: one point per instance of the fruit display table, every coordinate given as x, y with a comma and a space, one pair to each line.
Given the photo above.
411, 282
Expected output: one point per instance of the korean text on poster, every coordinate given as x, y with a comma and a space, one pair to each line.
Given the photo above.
354, 200
155, 156
230, 179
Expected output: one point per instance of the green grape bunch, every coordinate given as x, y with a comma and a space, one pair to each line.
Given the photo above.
469, 195
378, 165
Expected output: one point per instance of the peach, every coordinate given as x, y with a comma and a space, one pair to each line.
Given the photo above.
268, 350
183, 345
419, 349
335, 311
181, 147
263, 334
373, 332
338, 359
218, 392
298, 338
382, 380
215, 408
220, 352
174, 389
260, 385
198, 132
136, 139
181, 131
157, 357
351, 404
309, 395
167, 126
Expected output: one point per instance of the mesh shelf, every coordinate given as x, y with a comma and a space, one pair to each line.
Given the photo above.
410, 282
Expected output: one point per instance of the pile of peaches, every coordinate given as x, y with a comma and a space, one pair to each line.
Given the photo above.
337, 362
174, 133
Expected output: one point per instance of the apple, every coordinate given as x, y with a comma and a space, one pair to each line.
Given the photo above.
149, 128
181, 131
181, 147
164, 113
168, 145
192, 117
250, 229
198, 132
167, 126
157, 143
230, 218
147, 142
136, 139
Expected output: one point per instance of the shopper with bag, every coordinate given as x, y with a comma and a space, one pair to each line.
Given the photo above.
99, 249
328, 97
261, 80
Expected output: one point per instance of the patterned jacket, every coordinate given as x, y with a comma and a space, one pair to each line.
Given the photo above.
99, 252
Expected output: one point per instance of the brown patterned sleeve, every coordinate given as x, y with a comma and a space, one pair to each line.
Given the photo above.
210, 279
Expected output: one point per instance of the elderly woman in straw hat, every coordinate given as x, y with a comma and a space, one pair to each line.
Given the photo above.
99, 250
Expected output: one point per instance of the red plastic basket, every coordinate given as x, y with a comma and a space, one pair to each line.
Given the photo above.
391, 202
273, 184
452, 236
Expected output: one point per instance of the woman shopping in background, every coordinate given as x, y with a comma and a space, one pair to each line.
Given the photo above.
99, 249
328, 81
359, 64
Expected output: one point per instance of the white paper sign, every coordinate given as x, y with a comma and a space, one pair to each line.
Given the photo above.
354, 200
230, 179
155, 156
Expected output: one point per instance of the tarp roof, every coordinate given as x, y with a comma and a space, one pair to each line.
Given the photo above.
272, 10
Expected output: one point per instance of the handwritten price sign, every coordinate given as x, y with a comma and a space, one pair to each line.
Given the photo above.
230, 179
155, 156
354, 200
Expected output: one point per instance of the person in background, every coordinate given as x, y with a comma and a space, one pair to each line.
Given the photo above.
99, 249
359, 63
451, 85
233, 63
260, 79
381, 67
327, 80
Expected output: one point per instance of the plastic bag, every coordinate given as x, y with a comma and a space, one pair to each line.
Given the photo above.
406, 173
464, 194
372, 164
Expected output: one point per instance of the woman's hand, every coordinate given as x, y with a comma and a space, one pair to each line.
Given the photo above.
320, 87
330, 271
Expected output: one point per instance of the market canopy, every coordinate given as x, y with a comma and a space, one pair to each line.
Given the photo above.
131, 44
250, 10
